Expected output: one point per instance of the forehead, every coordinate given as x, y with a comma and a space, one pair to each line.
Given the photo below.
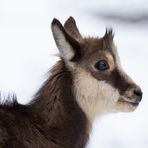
94, 49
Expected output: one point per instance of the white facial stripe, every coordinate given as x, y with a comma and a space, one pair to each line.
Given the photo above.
114, 49
94, 97
110, 61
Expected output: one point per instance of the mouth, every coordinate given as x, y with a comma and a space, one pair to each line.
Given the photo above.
129, 101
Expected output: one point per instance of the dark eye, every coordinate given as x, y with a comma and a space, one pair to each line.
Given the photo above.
102, 65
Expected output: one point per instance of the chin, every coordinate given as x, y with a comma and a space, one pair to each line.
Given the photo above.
125, 106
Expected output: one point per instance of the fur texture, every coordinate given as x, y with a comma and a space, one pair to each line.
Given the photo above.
62, 111
53, 119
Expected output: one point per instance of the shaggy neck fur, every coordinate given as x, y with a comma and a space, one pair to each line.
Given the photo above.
56, 108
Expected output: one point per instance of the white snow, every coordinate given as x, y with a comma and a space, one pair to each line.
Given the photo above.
27, 52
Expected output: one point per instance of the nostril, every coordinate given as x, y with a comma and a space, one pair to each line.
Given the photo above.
138, 93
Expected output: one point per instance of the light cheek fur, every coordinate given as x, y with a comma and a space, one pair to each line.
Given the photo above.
94, 97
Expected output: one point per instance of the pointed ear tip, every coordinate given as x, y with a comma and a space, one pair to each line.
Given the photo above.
109, 32
55, 22
70, 19
109, 29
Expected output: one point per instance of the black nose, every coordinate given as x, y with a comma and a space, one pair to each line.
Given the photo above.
138, 93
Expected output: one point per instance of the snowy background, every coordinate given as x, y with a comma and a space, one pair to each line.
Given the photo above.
27, 49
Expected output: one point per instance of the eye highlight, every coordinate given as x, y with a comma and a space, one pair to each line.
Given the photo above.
102, 65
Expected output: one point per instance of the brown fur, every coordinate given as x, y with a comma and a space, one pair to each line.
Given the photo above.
71, 28
53, 119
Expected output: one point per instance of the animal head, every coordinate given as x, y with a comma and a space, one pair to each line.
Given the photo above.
100, 84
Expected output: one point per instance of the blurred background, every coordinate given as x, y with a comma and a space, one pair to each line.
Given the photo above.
27, 52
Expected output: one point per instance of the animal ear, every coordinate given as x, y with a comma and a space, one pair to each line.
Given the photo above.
108, 38
71, 27
69, 48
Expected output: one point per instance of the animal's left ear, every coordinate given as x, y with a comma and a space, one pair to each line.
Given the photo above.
69, 48
108, 38
71, 27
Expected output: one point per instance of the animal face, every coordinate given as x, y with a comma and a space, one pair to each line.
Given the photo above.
100, 84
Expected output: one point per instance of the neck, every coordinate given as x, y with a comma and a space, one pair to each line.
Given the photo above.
55, 106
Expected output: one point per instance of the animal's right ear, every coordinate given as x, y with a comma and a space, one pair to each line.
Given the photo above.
69, 48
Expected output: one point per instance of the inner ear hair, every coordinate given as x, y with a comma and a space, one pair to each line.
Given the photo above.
71, 27
69, 48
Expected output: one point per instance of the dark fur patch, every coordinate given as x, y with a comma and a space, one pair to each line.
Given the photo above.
9, 100
118, 81
53, 119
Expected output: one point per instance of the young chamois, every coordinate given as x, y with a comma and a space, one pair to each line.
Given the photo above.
87, 81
